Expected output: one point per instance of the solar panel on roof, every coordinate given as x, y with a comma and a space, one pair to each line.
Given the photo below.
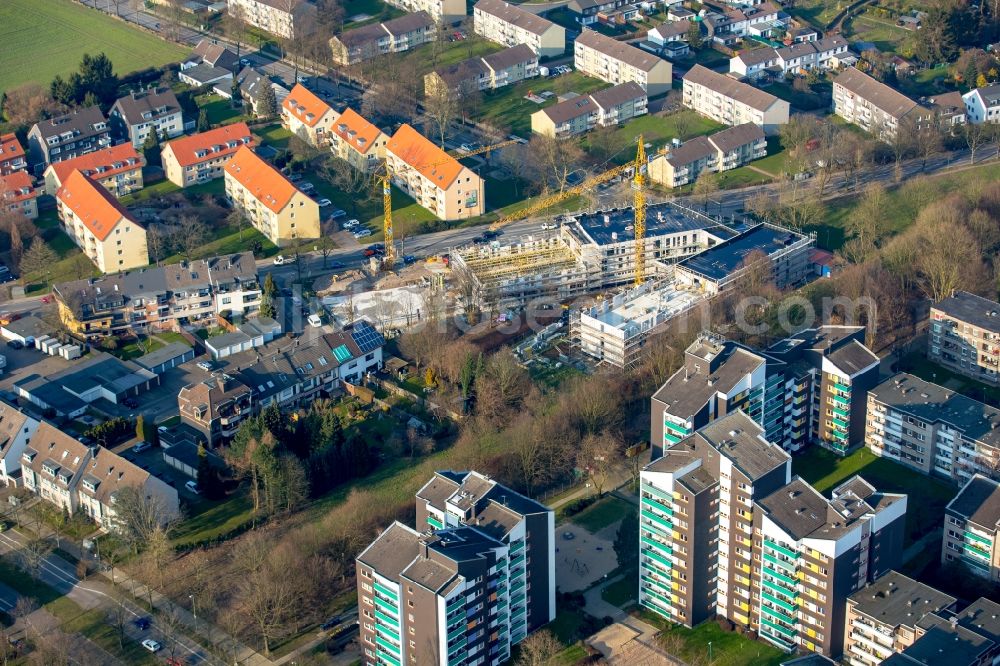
367, 338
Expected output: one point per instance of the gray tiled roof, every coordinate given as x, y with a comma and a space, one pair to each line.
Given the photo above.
890, 101
133, 106
515, 55
692, 150
620, 51
619, 94
688, 389
515, 15
730, 87
736, 136
80, 121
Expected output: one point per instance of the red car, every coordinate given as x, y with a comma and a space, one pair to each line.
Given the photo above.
46, 299
176, 661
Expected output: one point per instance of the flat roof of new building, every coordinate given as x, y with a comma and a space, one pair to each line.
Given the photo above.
617, 225
972, 309
716, 262
645, 310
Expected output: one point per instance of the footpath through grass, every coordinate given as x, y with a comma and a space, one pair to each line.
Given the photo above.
39, 40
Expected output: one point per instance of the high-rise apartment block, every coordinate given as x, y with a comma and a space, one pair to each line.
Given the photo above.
964, 336
807, 388
477, 577
933, 429
972, 528
725, 530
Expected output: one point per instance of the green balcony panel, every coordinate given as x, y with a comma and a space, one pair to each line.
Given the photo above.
777, 627
976, 537
658, 506
382, 617
782, 577
791, 608
778, 614
659, 520
659, 558
663, 548
434, 522
393, 649
386, 591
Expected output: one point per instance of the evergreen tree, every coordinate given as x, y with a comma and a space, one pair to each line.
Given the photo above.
207, 480
267, 105
140, 427
694, 35
97, 76
267, 297
151, 148
203, 124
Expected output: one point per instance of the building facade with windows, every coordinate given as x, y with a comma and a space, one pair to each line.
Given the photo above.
378, 39
67, 136
199, 158
604, 108
972, 528
308, 117
490, 72
727, 149
982, 105
141, 112
271, 202
215, 407
11, 154
964, 336
100, 226
357, 141
510, 25
608, 59
442, 11
436, 180
19, 195
871, 104
933, 429
731, 102
118, 169
287, 19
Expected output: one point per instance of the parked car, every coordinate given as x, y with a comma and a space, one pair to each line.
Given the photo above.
408, 259
336, 265
131, 403
368, 252
350, 224
362, 233
245, 62
315, 320
141, 446
323, 203
330, 623
192, 487
307, 187
15, 344
142, 623
338, 214
295, 177
151, 645
205, 365
549, 225
282, 260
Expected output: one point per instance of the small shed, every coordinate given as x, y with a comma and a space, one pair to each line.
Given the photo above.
25, 329
183, 457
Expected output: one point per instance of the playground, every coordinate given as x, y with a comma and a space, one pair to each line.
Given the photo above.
583, 558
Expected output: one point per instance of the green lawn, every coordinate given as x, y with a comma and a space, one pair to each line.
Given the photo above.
171, 337
606, 511
887, 37
132, 350
220, 111
429, 57
376, 9
507, 108
776, 158
227, 241
569, 656
95, 627
211, 519
41, 39
805, 100
568, 624
622, 593
728, 647
274, 135
926, 497
658, 132
741, 177
918, 364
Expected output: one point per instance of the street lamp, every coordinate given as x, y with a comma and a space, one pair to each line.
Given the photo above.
194, 609
710, 651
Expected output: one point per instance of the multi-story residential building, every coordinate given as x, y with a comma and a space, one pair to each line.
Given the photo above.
604, 108
933, 429
727, 149
884, 617
199, 158
475, 582
791, 389
510, 25
972, 528
100, 226
696, 520
589, 12
796, 58
16, 428
377, 39
118, 169
489, 72
982, 105
455, 499
160, 298
964, 336
274, 206
141, 112
813, 552
67, 136
357, 141
435, 180
18, 194
613, 61
731, 102
215, 407
73, 476
284, 18
725, 530
307, 116
871, 104
11, 154
969, 638
442, 11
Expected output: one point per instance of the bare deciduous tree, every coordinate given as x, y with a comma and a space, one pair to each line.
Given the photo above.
538, 649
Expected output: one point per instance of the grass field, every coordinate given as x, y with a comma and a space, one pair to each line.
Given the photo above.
41, 39
508, 109
606, 511
710, 644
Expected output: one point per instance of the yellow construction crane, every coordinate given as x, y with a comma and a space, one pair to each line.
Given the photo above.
385, 179
638, 167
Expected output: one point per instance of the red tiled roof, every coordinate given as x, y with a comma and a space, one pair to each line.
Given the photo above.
113, 160
264, 182
17, 187
209, 145
97, 208
424, 156
305, 106
356, 131
10, 148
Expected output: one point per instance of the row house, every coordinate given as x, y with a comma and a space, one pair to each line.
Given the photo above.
588, 12
16, 428
67, 136
982, 105
160, 298
972, 528
288, 19
490, 72
613, 61
729, 27
19, 195
74, 477
669, 32
726, 530
794, 389
200, 158
141, 112
357, 141
11, 154
215, 407
797, 58
964, 336
727, 149
433, 178
213, 54
252, 84
100, 225
442, 11
510, 25
605, 108
933, 429
271, 202
307, 116
871, 104
118, 169
377, 39
730, 102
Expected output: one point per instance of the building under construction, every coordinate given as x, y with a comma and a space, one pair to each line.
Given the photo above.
590, 252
